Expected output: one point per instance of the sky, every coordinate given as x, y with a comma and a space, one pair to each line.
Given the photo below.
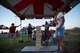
72, 18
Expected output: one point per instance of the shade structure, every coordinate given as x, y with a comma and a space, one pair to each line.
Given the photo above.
38, 9
3, 27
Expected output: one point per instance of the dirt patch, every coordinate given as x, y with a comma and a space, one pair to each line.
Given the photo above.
72, 47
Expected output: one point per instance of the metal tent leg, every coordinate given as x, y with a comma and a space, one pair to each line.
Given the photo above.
21, 40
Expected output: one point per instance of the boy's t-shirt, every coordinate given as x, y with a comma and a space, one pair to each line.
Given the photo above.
59, 21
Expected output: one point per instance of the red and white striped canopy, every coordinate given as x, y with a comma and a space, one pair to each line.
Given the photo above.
35, 8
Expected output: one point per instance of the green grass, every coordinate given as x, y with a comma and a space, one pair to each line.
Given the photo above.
72, 37
71, 43
5, 47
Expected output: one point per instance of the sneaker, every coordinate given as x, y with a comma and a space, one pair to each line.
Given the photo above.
55, 52
60, 49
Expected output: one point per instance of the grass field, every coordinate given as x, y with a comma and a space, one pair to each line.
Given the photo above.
5, 47
72, 43
72, 37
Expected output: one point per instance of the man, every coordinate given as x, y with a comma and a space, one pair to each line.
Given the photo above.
59, 17
30, 32
12, 30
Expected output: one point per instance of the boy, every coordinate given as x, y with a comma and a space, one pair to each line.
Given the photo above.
59, 17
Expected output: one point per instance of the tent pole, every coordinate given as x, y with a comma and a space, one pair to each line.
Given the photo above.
20, 32
20, 28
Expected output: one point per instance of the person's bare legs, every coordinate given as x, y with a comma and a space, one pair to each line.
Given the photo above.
60, 43
10, 37
28, 37
13, 38
62, 49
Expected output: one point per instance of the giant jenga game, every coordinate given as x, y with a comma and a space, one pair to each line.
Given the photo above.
38, 36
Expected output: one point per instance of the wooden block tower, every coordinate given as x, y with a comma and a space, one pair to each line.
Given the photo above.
38, 36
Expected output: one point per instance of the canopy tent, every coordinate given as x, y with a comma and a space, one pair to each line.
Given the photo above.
3, 27
37, 8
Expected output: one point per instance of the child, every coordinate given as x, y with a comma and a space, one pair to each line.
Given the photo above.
45, 39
